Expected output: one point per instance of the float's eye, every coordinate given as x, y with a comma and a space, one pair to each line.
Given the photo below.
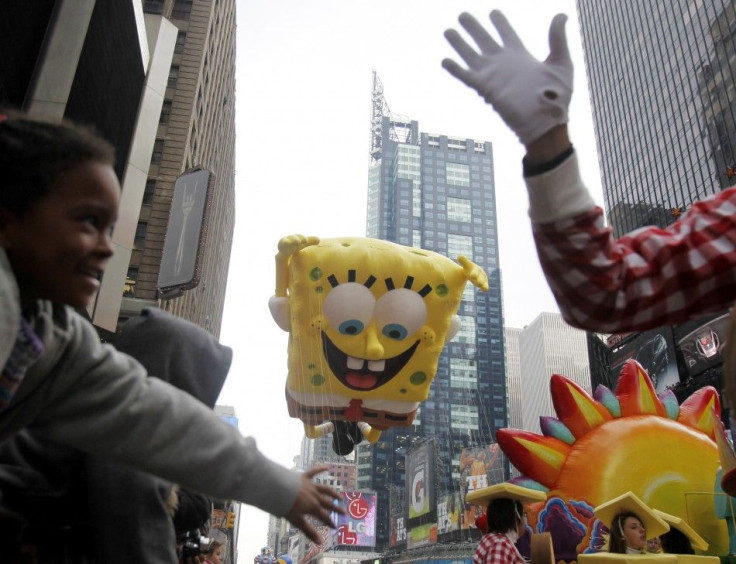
349, 308
395, 331
400, 313
351, 327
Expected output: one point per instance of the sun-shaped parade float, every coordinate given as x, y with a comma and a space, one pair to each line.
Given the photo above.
630, 440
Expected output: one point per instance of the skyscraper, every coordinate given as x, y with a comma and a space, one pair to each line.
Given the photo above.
196, 127
661, 77
513, 377
436, 192
549, 346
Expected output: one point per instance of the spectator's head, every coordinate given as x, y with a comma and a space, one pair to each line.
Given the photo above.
59, 199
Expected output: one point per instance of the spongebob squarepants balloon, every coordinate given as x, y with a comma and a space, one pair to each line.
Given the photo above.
367, 322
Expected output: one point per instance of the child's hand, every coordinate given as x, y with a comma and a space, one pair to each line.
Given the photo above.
313, 500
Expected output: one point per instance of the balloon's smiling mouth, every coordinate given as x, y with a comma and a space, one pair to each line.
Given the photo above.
359, 373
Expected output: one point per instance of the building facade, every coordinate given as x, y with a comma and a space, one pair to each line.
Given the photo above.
437, 192
549, 346
513, 377
196, 128
661, 77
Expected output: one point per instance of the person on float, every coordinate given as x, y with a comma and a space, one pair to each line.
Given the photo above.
631, 523
506, 521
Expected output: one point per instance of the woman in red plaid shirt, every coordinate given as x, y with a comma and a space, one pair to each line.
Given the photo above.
506, 523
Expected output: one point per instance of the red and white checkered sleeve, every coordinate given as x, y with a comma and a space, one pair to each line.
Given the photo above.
496, 549
647, 278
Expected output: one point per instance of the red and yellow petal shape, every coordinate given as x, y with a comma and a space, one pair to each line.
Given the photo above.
701, 410
635, 392
575, 408
537, 457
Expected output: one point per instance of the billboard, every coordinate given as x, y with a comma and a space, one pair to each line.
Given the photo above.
186, 233
655, 351
358, 526
422, 523
448, 513
702, 342
397, 535
480, 467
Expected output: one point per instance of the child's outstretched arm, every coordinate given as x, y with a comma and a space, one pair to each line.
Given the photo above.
94, 398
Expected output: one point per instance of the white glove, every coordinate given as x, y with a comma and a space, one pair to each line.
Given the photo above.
531, 96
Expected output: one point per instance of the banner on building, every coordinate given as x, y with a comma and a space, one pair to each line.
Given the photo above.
397, 533
422, 523
314, 549
655, 351
357, 527
701, 343
480, 467
186, 234
448, 513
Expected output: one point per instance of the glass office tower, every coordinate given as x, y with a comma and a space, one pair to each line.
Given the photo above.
437, 192
661, 80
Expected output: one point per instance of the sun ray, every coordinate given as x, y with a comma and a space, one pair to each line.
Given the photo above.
635, 392
669, 401
700, 410
575, 408
539, 458
608, 399
552, 427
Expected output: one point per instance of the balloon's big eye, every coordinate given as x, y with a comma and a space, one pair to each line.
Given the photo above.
395, 331
349, 308
351, 327
400, 313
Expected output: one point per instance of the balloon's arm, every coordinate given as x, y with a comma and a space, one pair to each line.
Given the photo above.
287, 247
475, 273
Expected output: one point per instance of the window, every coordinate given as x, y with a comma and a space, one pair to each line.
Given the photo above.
165, 112
464, 417
463, 373
181, 40
173, 76
182, 10
153, 6
140, 235
158, 151
459, 210
148, 192
460, 245
466, 334
130, 281
457, 174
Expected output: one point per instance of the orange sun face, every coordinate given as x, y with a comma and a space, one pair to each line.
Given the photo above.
633, 440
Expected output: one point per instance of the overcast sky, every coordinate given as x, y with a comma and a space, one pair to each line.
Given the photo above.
304, 76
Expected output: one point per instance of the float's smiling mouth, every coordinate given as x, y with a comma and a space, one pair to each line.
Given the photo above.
362, 374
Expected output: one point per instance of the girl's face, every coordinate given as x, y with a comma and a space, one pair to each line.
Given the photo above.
635, 535
60, 246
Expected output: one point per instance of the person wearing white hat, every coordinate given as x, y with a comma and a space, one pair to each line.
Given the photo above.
506, 521
631, 523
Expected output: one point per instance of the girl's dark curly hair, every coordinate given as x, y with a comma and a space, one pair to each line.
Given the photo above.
33, 152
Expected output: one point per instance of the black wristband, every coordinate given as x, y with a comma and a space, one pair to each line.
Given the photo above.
537, 169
